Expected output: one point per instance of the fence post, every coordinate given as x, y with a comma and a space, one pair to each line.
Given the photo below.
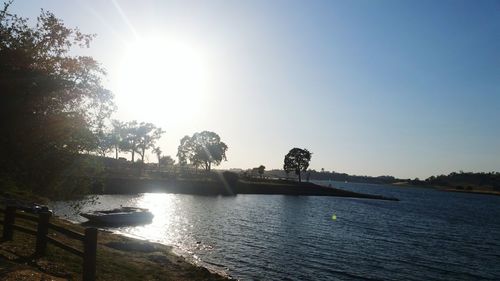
89, 254
9, 220
41, 233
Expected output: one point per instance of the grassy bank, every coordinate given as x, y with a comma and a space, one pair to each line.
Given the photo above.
118, 258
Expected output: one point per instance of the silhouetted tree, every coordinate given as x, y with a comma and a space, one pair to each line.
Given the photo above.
184, 150
117, 135
261, 170
297, 160
139, 137
105, 142
167, 161
52, 104
202, 149
146, 135
130, 138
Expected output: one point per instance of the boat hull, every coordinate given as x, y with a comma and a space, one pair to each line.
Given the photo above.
132, 218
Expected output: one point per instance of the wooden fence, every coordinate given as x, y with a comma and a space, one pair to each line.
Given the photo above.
89, 239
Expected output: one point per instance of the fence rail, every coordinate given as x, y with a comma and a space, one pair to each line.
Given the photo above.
65, 247
24, 229
89, 239
67, 232
27, 217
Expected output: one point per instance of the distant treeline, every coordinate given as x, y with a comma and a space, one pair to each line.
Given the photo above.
463, 180
334, 176
460, 180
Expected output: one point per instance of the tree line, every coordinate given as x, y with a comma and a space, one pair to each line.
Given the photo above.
130, 137
54, 108
202, 149
463, 180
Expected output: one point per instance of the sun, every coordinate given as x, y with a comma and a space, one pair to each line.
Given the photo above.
161, 78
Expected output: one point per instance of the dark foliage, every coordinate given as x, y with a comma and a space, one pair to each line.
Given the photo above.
465, 181
52, 105
297, 160
202, 149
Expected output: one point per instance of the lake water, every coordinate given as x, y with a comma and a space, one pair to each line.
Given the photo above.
428, 235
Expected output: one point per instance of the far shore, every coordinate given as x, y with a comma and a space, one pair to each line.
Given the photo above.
475, 191
228, 187
460, 189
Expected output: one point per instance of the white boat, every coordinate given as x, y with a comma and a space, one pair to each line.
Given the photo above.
120, 216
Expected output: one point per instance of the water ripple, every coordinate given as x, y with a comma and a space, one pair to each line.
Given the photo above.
428, 235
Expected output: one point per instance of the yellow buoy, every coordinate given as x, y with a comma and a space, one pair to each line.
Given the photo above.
334, 217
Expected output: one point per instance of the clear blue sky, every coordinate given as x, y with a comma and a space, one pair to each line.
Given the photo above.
403, 88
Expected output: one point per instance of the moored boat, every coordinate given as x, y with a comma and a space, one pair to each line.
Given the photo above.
120, 216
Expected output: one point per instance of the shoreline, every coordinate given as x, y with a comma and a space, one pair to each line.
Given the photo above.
228, 188
129, 257
454, 189
119, 257
483, 192
174, 250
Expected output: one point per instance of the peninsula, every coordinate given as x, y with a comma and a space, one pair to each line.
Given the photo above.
227, 184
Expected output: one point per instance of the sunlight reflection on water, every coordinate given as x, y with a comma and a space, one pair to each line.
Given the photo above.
168, 225
163, 208
259, 237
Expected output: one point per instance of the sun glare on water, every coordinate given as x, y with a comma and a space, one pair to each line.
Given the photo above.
161, 79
